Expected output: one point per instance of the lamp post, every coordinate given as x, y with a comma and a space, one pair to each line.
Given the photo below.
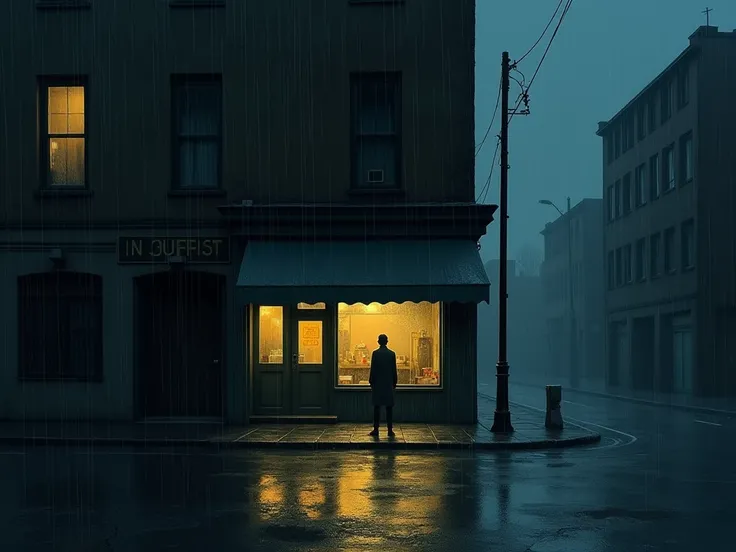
572, 326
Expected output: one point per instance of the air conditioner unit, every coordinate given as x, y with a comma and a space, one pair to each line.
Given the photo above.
375, 176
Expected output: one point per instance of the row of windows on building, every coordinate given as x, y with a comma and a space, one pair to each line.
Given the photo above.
652, 257
197, 131
641, 119
652, 179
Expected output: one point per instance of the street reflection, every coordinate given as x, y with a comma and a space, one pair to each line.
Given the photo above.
270, 496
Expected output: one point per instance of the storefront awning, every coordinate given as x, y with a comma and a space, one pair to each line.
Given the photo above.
282, 273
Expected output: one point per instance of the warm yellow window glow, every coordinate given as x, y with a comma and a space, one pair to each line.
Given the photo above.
413, 331
66, 136
271, 335
310, 342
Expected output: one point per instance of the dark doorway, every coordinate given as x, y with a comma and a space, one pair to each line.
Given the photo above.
642, 353
180, 353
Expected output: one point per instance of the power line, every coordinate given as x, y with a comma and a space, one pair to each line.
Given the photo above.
493, 118
525, 96
544, 32
487, 186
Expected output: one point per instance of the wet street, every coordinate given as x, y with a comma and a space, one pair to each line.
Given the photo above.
660, 480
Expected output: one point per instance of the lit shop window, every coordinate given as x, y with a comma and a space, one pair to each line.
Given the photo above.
413, 331
66, 135
271, 335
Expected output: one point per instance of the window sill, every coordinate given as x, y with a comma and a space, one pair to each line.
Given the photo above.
400, 388
358, 192
196, 3
688, 268
63, 192
63, 4
198, 193
669, 190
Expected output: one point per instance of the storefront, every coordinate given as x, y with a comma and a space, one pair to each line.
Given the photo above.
314, 310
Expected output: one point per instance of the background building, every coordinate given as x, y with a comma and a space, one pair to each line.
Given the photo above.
573, 249
174, 183
525, 325
670, 240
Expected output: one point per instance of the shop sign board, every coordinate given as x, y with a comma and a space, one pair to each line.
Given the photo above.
152, 250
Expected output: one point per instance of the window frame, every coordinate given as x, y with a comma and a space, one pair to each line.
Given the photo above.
25, 283
683, 87
685, 140
626, 194
179, 80
640, 185
688, 225
669, 171
44, 136
669, 262
655, 171
628, 262
611, 272
357, 79
619, 267
443, 312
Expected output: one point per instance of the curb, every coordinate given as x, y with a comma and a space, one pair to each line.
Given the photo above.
246, 445
636, 400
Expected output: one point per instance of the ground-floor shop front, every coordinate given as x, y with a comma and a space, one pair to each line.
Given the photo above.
161, 326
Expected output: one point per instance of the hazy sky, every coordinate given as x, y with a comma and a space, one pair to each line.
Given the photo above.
605, 52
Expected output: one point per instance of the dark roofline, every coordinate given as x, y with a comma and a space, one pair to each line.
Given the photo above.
603, 125
574, 212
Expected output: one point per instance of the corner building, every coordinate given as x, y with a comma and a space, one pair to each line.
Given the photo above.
214, 215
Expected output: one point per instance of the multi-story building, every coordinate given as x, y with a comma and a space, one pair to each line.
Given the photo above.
573, 263
669, 168
214, 212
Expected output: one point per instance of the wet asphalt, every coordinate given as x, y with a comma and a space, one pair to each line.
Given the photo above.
660, 479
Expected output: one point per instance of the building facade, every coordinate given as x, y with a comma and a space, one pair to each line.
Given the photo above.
211, 209
669, 166
575, 328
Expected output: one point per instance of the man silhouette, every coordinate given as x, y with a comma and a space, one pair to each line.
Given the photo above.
383, 380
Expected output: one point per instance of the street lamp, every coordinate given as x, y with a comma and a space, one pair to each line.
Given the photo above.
572, 326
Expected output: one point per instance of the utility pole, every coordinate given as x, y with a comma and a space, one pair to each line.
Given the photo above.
707, 11
572, 327
502, 415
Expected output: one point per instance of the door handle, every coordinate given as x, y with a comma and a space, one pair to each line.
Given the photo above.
295, 360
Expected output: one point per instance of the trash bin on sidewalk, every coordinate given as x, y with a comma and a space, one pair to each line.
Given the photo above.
553, 418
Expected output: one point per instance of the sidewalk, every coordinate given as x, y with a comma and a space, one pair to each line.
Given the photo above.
710, 405
528, 424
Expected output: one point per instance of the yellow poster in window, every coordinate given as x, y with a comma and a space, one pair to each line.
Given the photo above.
310, 342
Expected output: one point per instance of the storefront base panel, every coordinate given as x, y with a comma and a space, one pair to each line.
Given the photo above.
410, 406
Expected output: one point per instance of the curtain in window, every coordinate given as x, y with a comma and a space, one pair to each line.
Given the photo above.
198, 113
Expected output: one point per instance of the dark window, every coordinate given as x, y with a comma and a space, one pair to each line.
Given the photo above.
668, 168
628, 134
627, 263
619, 268
641, 259
641, 121
376, 129
688, 244
611, 204
64, 132
626, 191
60, 320
665, 98
640, 177
197, 104
683, 87
609, 148
651, 113
611, 271
669, 250
655, 243
617, 193
686, 158
654, 182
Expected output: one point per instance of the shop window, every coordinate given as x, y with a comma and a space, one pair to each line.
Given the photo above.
310, 341
271, 335
413, 331
64, 134
60, 316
